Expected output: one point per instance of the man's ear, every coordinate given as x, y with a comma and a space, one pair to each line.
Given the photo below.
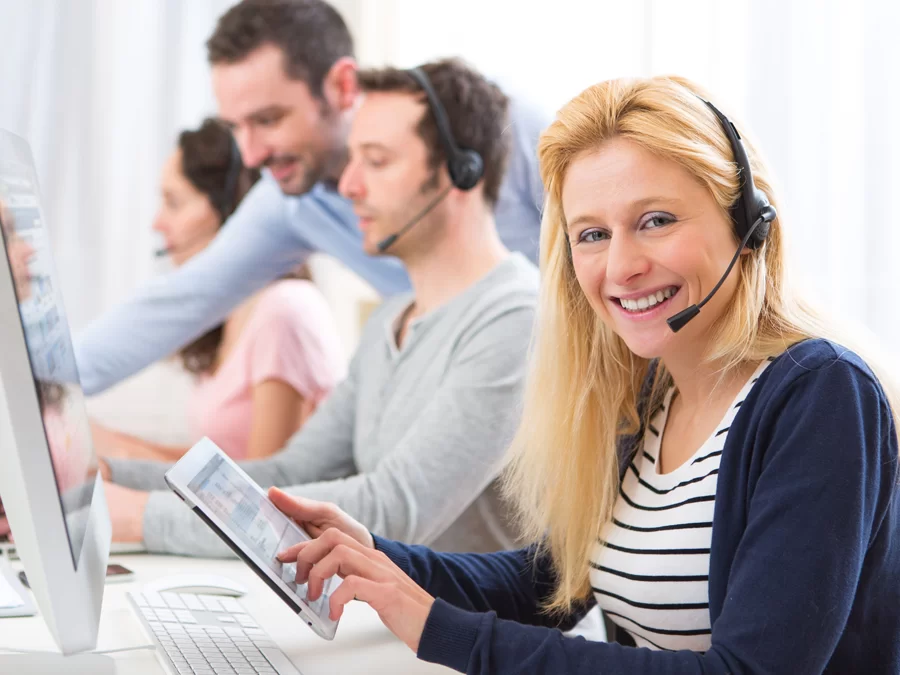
340, 88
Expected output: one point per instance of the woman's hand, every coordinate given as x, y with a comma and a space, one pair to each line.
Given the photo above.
369, 575
316, 517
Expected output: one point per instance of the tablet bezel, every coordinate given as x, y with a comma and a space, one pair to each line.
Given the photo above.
179, 477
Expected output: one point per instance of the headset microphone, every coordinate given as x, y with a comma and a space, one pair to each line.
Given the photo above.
752, 206
190, 241
387, 242
677, 322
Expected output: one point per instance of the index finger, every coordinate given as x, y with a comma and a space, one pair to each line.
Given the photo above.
290, 554
312, 552
300, 509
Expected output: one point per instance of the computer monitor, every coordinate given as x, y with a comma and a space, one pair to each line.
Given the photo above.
49, 485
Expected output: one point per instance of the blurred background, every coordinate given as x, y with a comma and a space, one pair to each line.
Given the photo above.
100, 89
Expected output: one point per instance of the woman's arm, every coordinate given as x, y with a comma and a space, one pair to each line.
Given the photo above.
827, 487
279, 411
513, 583
291, 364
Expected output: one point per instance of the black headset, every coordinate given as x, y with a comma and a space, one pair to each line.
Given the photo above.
228, 200
465, 166
752, 204
751, 214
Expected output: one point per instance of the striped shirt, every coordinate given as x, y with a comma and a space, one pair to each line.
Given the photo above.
651, 577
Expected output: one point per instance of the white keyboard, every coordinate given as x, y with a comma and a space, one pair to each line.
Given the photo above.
208, 635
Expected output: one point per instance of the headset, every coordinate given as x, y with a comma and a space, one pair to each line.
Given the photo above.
752, 214
465, 166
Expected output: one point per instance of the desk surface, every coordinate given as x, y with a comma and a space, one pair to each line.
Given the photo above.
362, 643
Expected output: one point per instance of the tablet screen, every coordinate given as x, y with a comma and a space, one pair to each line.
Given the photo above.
255, 522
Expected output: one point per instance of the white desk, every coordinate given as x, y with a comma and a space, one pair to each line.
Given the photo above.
362, 643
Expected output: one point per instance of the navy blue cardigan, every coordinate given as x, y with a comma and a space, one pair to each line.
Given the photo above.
804, 564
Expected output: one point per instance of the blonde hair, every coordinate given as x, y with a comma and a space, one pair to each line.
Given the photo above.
584, 382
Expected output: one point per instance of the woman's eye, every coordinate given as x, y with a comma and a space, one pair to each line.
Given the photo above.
658, 220
592, 236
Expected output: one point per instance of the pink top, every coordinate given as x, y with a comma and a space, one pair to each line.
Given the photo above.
290, 336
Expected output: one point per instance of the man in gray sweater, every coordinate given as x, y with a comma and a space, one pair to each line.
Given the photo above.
411, 443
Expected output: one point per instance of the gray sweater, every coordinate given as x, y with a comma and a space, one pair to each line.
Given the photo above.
412, 442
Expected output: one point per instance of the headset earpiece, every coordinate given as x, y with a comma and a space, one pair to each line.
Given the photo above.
752, 204
465, 166
466, 169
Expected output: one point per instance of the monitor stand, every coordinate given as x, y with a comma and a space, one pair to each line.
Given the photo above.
54, 664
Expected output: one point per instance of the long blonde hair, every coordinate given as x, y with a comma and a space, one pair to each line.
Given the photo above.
584, 382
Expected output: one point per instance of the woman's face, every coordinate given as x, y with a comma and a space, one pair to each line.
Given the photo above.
186, 219
647, 240
20, 253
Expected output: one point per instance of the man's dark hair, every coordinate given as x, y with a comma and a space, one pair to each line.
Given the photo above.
310, 33
477, 110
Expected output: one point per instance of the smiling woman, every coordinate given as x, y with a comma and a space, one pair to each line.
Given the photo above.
705, 487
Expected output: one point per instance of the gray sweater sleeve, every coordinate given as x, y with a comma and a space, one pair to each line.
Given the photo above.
321, 450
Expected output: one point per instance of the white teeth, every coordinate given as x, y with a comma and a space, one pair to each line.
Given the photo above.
648, 301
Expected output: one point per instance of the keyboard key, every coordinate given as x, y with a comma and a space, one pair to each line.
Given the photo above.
184, 616
246, 621
234, 631
173, 601
232, 605
165, 615
211, 603
224, 619
265, 644
192, 602
140, 600
155, 600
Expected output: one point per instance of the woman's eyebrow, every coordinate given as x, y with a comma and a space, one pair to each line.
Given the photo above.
655, 200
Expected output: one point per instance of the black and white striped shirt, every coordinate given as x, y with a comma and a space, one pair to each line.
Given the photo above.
651, 577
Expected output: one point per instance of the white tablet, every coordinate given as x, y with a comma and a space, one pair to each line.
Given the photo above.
241, 514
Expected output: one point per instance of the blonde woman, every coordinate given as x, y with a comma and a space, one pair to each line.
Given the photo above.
727, 492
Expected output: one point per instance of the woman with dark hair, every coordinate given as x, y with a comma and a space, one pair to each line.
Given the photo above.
261, 373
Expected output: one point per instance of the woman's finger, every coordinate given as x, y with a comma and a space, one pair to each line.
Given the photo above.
303, 511
290, 554
311, 552
343, 561
354, 588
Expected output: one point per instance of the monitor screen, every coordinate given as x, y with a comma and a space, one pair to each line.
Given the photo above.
52, 358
